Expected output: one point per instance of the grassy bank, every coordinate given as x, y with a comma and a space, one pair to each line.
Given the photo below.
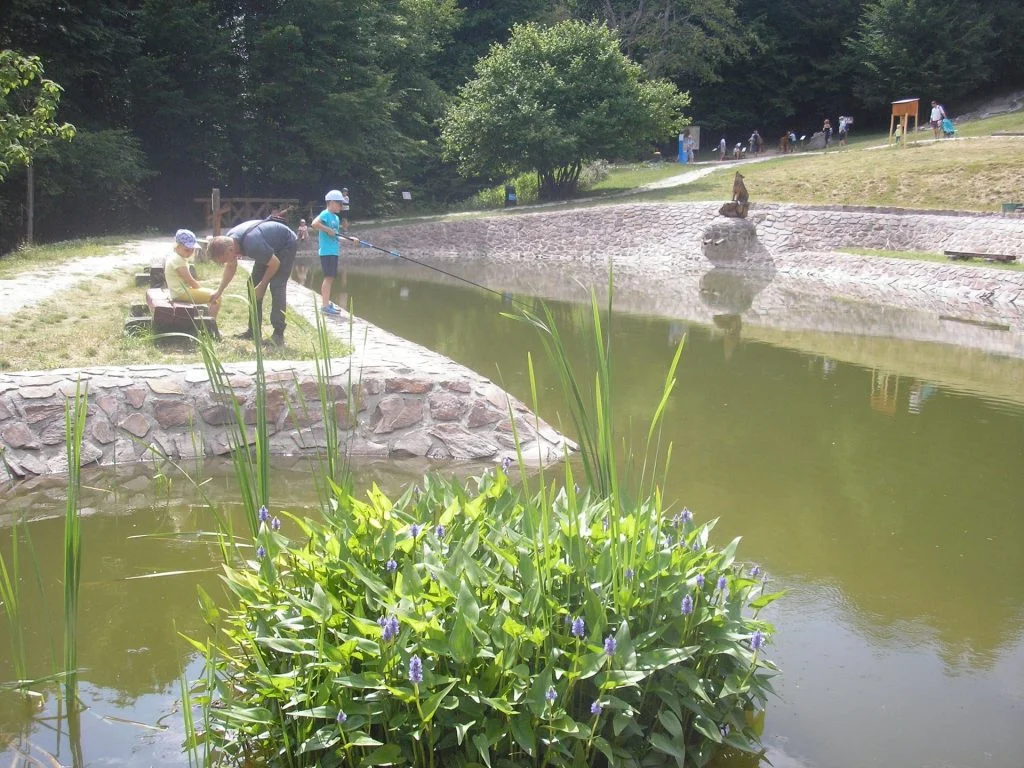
82, 327
975, 172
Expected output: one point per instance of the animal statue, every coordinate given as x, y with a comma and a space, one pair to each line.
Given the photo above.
737, 208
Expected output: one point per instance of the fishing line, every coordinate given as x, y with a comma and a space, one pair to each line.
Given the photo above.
504, 296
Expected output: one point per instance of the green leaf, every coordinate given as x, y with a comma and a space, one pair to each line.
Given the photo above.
764, 600
389, 754
671, 723
322, 603
513, 627
429, 707
461, 642
523, 732
664, 744
482, 748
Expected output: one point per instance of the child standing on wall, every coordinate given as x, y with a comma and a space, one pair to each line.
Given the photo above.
329, 226
181, 286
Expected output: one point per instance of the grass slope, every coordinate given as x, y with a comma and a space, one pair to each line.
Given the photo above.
82, 327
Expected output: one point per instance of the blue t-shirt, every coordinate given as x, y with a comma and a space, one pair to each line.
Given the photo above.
329, 243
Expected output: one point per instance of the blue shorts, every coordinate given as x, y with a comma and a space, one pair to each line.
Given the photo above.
329, 264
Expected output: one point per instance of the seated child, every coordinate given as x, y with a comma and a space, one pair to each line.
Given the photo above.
181, 286
303, 230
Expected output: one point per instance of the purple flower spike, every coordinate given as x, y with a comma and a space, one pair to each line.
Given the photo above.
415, 670
388, 628
595, 708
722, 583
609, 645
755, 571
275, 524
686, 606
700, 580
342, 717
630, 573
757, 640
261, 551
687, 516
578, 628
391, 565
506, 463
551, 695
414, 530
439, 531
264, 515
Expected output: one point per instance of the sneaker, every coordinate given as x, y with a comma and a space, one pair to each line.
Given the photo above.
331, 309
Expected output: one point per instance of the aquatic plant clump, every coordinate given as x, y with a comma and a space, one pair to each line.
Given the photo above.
511, 630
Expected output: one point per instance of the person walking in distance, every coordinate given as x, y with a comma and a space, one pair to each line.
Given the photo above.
344, 209
936, 117
271, 244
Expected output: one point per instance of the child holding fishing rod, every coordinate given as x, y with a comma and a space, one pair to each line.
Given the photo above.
329, 225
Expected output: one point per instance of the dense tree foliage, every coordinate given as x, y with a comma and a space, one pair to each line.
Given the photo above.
914, 47
553, 98
28, 106
292, 97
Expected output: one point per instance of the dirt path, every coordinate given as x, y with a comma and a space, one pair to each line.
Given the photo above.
38, 285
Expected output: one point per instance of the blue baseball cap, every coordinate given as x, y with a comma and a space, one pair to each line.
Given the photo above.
187, 238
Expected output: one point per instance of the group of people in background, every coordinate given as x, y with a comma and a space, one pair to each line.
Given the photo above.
272, 246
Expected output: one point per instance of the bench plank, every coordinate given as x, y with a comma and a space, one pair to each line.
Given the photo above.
179, 316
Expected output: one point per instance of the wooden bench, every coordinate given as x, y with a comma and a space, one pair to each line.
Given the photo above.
170, 316
968, 255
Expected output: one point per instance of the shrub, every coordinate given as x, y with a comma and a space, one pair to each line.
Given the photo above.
494, 197
456, 628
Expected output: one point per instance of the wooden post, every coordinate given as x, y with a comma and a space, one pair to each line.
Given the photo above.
215, 210
30, 204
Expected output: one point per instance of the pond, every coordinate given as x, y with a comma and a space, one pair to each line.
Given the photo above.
877, 479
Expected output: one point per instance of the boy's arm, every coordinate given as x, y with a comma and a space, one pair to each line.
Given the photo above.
186, 277
225, 279
321, 227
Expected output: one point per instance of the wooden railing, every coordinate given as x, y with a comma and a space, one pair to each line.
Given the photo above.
226, 212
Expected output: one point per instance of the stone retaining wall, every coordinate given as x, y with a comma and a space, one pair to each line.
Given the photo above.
664, 239
139, 413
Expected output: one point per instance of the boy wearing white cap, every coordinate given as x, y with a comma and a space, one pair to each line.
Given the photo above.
181, 286
329, 226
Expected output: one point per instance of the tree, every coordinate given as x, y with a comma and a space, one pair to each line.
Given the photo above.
683, 40
553, 98
28, 107
925, 48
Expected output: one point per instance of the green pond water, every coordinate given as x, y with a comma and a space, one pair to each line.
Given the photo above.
889, 505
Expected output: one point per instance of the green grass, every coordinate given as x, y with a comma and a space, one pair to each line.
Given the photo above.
931, 256
83, 326
971, 175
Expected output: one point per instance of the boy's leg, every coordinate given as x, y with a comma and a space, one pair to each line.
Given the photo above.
329, 264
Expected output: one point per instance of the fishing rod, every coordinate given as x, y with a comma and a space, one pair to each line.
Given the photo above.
504, 296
